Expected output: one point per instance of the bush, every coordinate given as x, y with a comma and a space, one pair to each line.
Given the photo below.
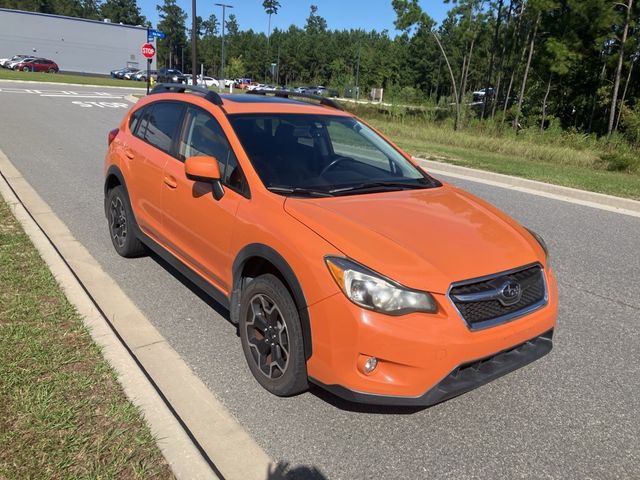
619, 162
630, 124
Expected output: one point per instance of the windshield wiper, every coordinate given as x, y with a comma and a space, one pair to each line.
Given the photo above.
379, 185
299, 191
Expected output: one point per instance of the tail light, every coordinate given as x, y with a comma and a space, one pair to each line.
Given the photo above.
112, 135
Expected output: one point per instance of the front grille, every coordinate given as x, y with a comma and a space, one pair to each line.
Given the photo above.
481, 303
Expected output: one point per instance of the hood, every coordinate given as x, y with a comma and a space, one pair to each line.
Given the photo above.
424, 239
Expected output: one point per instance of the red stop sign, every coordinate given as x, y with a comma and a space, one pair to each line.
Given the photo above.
148, 50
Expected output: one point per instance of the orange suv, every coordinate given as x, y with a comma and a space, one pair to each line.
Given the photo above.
340, 260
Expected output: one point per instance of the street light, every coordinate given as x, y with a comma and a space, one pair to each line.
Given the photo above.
224, 9
194, 35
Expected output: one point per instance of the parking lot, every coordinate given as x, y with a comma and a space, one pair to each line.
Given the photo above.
572, 414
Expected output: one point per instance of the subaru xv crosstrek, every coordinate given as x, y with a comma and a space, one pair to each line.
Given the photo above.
342, 262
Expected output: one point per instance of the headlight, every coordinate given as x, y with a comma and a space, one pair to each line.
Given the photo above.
370, 290
541, 241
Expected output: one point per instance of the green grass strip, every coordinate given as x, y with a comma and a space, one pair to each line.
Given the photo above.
62, 412
6, 74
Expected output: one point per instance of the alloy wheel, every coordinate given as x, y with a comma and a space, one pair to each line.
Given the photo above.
118, 222
267, 336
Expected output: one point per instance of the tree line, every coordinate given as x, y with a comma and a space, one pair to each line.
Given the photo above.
569, 63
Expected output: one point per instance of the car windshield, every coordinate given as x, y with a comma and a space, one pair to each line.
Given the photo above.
321, 155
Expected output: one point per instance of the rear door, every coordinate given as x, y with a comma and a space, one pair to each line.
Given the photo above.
199, 228
150, 146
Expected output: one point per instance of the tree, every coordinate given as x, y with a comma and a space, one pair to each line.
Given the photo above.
409, 14
122, 11
616, 81
232, 26
315, 23
210, 26
236, 68
172, 23
271, 8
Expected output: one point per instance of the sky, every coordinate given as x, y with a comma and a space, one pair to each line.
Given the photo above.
340, 14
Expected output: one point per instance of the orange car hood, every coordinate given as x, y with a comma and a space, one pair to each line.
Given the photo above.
424, 239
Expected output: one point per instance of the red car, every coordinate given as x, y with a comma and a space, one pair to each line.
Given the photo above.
37, 65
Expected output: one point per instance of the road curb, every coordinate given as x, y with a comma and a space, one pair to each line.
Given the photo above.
600, 201
196, 434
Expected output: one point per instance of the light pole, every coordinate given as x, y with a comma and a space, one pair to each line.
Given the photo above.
358, 75
194, 35
224, 10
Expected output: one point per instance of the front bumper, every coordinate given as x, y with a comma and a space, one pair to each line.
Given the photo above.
422, 358
461, 380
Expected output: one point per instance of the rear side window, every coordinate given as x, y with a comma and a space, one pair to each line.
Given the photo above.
134, 120
162, 124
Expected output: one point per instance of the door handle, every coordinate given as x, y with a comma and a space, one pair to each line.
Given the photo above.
170, 181
129, 153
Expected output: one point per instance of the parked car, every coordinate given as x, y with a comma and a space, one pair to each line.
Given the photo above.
208, 81
129, 75
5, 62
142, 75
243, 83
12, 64
255, 86
120, 74
326, 92
37, 65
115, 72
347, 267
170, 75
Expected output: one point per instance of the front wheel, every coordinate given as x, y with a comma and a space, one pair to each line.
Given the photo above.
25, 69
121, 224
271, 337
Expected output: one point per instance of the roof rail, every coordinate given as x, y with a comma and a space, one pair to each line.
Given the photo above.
210, 95
285, 94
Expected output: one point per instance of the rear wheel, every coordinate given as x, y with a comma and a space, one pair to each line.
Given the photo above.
52, 70
271, 337
121, 224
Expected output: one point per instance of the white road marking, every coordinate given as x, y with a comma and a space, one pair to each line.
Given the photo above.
84, 96
101, 104
63, 93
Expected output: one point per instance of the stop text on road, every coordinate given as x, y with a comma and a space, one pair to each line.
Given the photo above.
148, 50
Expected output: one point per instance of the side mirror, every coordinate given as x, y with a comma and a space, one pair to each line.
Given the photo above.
205, 169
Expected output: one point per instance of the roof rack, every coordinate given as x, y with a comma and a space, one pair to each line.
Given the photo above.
285, 94
210, 95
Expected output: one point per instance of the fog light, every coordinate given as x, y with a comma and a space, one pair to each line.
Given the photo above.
370, 365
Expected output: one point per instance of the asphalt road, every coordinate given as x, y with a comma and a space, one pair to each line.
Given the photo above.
573, 414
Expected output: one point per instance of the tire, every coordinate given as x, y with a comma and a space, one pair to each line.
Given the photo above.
52, 70
25, 69
121, 224
269, 327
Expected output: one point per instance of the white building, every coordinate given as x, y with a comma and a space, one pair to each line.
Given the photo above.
75, 44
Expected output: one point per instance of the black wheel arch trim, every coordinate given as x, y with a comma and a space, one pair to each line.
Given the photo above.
114, 171
258, 250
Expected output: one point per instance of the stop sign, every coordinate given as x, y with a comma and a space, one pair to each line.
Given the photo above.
148, 50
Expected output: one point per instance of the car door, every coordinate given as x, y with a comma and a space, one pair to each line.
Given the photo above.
147, 151
199, 228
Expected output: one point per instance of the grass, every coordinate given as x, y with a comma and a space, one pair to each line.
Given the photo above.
6, 74
62, 412
571, 160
